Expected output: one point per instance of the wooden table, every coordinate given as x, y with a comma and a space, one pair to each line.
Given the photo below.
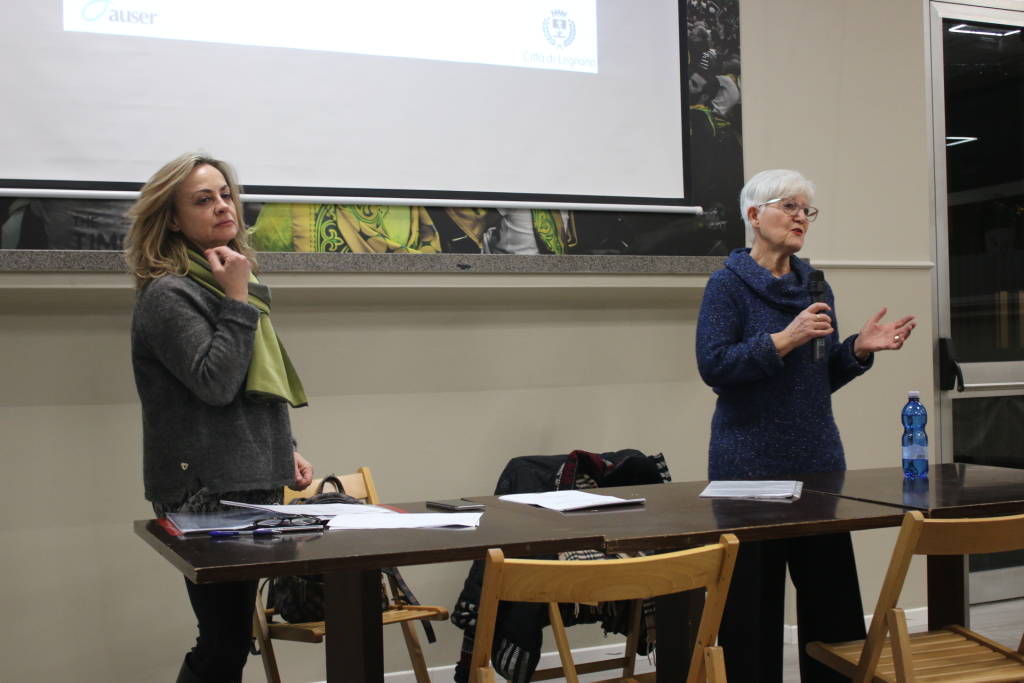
672, 517
351, 563
950, 490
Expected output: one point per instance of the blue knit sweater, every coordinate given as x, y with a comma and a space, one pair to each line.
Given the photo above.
774, 415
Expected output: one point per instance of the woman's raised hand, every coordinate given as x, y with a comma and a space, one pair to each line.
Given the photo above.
231, 270
879, 336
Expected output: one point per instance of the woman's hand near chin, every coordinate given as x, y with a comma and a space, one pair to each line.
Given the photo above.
231, 270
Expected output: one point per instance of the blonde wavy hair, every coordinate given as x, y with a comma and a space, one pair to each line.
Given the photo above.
152, 248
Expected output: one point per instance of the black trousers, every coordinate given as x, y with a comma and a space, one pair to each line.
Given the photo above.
224, 612
827, 601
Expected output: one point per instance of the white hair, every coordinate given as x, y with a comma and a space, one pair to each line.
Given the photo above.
772, 184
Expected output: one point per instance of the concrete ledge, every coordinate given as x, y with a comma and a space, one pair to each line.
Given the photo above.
29, 260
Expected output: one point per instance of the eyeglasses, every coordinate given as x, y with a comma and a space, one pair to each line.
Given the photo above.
791, 207
284, 523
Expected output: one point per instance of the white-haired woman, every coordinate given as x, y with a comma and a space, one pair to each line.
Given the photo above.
213, 380
773, 418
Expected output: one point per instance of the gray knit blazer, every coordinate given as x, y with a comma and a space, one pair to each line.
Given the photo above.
190, 355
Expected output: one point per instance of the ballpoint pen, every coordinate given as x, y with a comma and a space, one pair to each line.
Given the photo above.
244, 532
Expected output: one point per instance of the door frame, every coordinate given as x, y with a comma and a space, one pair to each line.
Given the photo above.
981, 379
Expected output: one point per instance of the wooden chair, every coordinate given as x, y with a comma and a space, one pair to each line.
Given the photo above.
552, 581
953, 653
358, 485
627, 662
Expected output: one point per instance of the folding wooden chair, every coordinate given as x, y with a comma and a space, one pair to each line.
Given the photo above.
552, 581
358, 485
953, 653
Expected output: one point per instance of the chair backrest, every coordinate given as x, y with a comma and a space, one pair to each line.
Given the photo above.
399, 611
359, 485
552, 581
920, 536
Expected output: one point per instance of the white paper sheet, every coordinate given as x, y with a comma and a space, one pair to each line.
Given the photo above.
427, 520
318, 509
571, 499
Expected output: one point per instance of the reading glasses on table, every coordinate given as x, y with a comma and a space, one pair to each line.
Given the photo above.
285, 523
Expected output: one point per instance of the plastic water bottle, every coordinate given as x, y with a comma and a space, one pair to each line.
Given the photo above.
915, 441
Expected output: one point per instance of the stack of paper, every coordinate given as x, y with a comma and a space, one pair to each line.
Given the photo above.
357, 516
417, 520
564, 501
757, 490
317, 509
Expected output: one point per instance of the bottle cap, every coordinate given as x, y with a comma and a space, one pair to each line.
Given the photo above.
913, 394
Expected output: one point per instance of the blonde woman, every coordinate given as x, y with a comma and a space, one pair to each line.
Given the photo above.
205, 357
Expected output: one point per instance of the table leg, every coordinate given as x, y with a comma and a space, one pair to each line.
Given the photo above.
947, 591
355, 647
677, 620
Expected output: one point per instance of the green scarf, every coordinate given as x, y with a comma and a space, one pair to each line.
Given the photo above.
271, 374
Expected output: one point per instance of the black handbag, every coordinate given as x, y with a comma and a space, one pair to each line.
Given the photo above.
300, 599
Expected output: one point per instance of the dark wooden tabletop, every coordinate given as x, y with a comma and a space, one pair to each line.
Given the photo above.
951, 490
673, 516
203, 559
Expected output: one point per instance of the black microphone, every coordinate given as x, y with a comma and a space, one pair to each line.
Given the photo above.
816, 286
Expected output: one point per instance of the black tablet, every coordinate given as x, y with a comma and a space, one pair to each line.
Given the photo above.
455, 505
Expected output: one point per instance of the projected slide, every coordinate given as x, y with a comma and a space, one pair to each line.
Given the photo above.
538, 34
481, 102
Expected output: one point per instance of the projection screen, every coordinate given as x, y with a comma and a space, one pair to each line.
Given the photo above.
455, 102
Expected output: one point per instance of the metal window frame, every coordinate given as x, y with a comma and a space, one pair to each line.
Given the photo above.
981, 379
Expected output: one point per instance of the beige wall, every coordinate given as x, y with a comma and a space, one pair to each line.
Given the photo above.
837, 89
436, 387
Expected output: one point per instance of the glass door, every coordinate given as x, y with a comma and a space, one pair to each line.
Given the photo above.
978, 93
